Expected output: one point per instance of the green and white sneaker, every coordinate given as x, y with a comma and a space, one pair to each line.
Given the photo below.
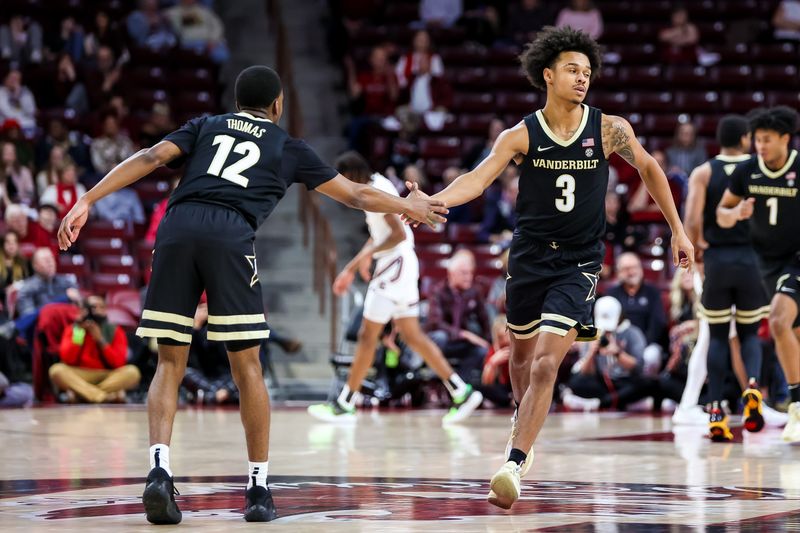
529, 461
463, 406
333, 412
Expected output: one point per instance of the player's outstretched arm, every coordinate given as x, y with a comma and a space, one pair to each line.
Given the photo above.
509, 144
618, 137
129, 171
733, 208
366, 197
695, 202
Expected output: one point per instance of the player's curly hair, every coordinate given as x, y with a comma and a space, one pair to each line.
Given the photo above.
782, 119
549, 43
353, 166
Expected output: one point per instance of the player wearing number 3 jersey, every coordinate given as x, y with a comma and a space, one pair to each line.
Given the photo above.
556, 251
238, 166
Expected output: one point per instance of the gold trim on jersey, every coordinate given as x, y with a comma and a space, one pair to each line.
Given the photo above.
761, 311
172, 318
559, 318
557, 331
237, 335
523, 336
231, 320
555, 138
733, 158
168, 333
527, 326
783, 170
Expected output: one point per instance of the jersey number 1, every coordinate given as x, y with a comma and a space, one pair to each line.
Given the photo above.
566, 183
233, 172
772, 203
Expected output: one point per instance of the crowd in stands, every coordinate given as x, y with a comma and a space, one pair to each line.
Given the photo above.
432, 84
85, 85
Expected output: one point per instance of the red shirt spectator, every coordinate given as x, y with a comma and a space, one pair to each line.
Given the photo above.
377, 87
94, 344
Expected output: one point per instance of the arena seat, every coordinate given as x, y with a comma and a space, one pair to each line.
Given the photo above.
127, 299
103, 246
104, 283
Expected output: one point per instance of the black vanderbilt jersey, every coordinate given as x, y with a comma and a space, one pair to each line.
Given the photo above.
722, 167
243, 162
775, 224
562, 185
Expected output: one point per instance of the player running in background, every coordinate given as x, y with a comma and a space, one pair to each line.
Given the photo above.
764, 190
393, 295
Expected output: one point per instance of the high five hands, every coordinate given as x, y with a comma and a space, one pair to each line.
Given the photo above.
435, 208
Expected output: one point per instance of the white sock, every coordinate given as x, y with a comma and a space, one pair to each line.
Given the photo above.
347, 398
697, 368
455, 385
257, 474
159, 456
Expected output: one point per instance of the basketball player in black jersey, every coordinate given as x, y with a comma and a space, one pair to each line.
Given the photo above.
557, 248
764, 190
238, 166
732, 277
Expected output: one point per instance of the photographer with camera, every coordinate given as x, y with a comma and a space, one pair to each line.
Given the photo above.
609, 372
93, 357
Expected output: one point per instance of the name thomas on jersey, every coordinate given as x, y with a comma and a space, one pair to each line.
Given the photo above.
246, 127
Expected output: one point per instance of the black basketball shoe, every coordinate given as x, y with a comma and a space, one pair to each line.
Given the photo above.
258, 505
159, 498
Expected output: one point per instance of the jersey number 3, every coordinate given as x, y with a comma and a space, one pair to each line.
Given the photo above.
233, 172
566, 183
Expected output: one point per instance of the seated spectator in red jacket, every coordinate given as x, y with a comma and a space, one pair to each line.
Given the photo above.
93, 358
680, 39
495, 368
29, 231
66, 192
373, 93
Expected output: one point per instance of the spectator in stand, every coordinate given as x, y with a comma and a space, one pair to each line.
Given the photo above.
682, 335
11, 131
148, 27
45, 286
104, 32
526, 19
21, 40
460, 214
14, 391
686, 151
48, 219
495, 368
29, 231
68, 40
48, 175
373, 93
66, 191
157, 126
111, 147
16, 180
440, 13
414, 174
159, 210
72, 143
500, 211
457, 319
427, 98
68, 90
496, 300
608, 374
93, 356
786, 21
199, 28
103, 81
680, 40
641, 303
411, 64
582, 15
480, 151
17, 102
13, 266
123, 204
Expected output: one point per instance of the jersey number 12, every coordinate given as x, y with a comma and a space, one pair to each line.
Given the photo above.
233, 172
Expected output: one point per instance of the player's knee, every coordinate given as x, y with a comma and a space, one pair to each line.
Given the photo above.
245, 373
780, 322
365, 334
544, 369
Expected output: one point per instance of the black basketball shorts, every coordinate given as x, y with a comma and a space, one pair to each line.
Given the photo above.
782, 276
204, 247
732, 278
551, 288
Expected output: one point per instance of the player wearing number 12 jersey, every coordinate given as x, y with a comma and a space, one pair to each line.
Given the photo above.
238, 166
764, 190
556, 251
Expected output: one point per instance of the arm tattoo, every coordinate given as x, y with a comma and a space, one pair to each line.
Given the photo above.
616, 139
